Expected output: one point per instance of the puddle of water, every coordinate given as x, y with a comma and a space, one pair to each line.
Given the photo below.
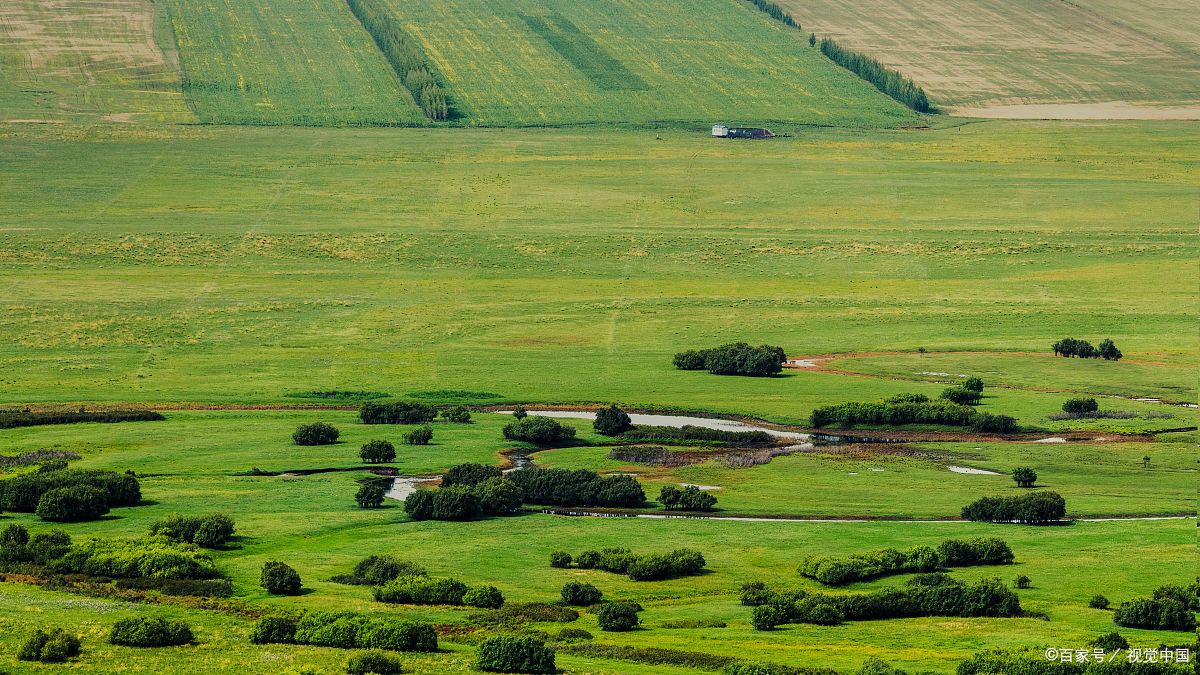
701, 487
978, 472
1053, 439
669, 421
403, 486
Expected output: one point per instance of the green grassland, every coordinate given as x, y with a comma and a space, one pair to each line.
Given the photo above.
528, 62
971, 55
111, 60
238, 265
297, 62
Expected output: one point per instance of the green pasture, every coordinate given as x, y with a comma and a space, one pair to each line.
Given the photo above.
241, 264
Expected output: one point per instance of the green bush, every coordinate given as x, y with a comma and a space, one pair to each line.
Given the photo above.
199, 588
208, 531
1098, 602
519, 412
456, 502
273, 630
1024, 476
559, 559
347, 630
317, 433
279, 579
690, 498
377, 451
839, 570
580, 594
12, 419
1080, 406
470, 474
515, 655
611, 421
1151, 614
1035, 508
380, 569
421, 591
498, 495
973, 384
1111, 642
484, 597
377, 662
961, 395
72, 504
370, 495
617, 617
457, 415
154, 557
539, 431
419, 504
766, 617
738, 358
23, 492
144, 631
422, 435
54, 646
573, 635
396, 412
580, 487
816, 611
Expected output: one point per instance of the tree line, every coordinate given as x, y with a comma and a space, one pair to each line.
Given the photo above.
637, 566
839, 570
405, 56
913, 409
776, 12
11, 419
735, 358
886, 80
1070, 347
1035, 508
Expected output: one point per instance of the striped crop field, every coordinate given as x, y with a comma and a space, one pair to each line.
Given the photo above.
299, 62
87, 60
553, 62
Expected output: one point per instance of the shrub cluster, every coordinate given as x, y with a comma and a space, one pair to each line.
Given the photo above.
377, 570
24, 493
370, 494
208, 531
317, 433
470, 474
151, 557
690, 432
933, 594
681, 562
1170, 608
1035, 508
401, 582
539, 431
690, 498
736, 358
464, 502
16, 546
1080, 406
911, 409
11, 419
44, 457
374, 661
1024, 476
145, 631
618, 617
201, 588
346, 630
1070, 347
580, 594
405, 56
377, 451
611, 421
422, 435
886, 80
839, 570
516, 654
580, 487
961, 395
54, 646
72, 503
521, 613
279, 578
457, 415
396, 412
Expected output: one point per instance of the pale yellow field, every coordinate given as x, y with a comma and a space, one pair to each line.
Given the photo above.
66, 60
1084, 59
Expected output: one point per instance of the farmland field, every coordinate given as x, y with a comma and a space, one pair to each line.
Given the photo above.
304, 62
527, 62
98, 59
993, 58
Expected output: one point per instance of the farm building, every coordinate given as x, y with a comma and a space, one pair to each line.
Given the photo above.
722, 131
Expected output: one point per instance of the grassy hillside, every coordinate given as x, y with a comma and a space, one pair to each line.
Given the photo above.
526, 62
242, 264
979, 56
305, 62
104, 59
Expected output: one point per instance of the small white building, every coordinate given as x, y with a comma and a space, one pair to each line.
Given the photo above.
720, 131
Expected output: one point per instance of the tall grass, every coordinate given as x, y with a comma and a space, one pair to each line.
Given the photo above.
886, 80
418, 75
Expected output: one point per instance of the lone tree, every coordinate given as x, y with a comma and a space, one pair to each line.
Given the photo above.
974, 384
370, 495
375, 452
519, 412
812, 39
1080, 406
1024, 476
280, 579
317, 433
419, 436
611, 421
